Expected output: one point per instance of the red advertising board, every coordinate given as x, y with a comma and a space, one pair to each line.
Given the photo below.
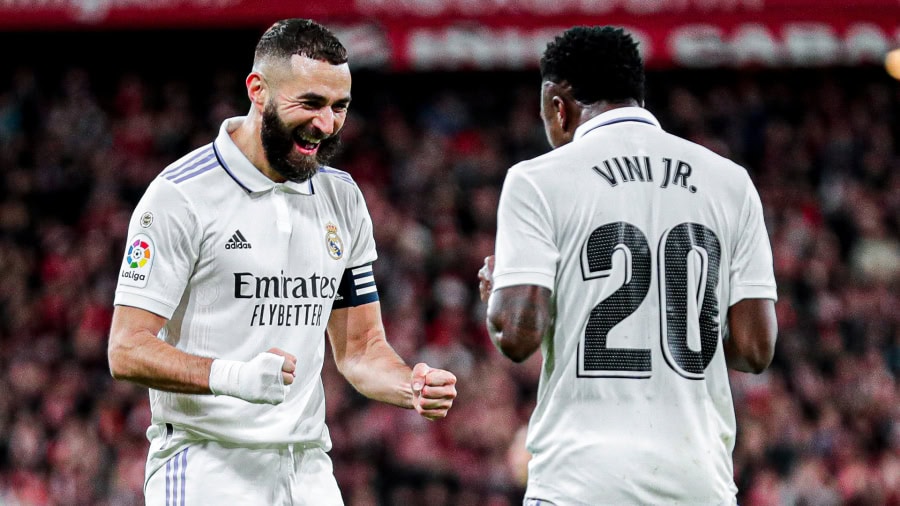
448, 34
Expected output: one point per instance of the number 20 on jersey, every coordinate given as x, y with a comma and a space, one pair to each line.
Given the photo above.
678, 246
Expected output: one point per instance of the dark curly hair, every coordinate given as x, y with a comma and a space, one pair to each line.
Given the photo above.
600, 63
301, 37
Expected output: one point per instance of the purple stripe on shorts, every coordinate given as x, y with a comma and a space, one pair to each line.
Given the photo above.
176, 468
183, 475
168, 480
176, 464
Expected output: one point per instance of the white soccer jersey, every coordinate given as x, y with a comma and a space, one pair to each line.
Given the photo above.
645, 240
239, 264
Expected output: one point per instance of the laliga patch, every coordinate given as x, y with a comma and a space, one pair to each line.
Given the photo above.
138, 260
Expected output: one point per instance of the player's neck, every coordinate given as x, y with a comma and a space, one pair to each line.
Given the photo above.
591, 111
248, 140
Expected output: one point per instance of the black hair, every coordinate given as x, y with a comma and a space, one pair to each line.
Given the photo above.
301, 37
600, 63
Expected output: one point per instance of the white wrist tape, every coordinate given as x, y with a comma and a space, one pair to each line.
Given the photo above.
258, 381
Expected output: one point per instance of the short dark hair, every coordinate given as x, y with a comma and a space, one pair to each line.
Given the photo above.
301, 37
600, 63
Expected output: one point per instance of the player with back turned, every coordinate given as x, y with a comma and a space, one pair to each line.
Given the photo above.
240, 256
639, 263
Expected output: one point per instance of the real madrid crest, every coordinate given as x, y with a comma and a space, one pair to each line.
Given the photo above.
333, 241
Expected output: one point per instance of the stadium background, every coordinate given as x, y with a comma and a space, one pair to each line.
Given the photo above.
96, 97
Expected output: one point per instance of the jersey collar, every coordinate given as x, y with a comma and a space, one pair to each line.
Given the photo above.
614, 116
244, 173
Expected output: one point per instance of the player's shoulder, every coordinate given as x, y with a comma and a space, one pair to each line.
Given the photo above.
710, 158
335, 180
337, 175
196, 176
193, 177
541, 164
191, 166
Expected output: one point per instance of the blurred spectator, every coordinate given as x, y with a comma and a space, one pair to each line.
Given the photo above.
821, 427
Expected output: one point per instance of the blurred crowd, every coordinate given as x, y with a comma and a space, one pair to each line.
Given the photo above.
820, 427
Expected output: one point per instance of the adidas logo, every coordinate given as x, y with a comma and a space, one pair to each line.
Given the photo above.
238, 241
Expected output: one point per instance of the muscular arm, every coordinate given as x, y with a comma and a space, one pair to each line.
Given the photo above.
137, 355
365, 358
753, 328
518, 317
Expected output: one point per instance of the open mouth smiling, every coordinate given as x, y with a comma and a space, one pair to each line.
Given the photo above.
307, 145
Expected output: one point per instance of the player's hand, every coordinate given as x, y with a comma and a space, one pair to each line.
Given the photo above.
265, 379
288, 367
486, 278
433, 391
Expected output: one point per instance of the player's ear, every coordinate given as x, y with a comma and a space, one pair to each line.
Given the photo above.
257, 89
560, 112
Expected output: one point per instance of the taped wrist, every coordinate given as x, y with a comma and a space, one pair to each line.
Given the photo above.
258, 381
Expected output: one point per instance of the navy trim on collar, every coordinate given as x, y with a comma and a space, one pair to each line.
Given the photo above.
617, 115
227, 170
619, 120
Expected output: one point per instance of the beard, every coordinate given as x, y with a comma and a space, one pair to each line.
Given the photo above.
278, 145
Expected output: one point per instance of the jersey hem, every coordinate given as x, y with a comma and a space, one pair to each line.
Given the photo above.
752, 291
523, 278
143, 302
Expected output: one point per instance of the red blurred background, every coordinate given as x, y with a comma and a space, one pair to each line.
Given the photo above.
97, 96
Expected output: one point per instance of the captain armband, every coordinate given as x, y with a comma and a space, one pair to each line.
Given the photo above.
357, 287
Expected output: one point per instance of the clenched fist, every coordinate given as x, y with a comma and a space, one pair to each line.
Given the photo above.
433, 391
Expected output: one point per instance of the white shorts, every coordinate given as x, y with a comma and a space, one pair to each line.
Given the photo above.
185, 471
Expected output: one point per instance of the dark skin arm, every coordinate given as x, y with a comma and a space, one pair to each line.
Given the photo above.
518, 317
754, 329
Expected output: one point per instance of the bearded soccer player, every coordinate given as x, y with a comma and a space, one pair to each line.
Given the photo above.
240, 255
639, 263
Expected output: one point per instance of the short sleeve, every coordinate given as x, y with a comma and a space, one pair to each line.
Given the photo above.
362, 249
525, 252
162, 249
752, 273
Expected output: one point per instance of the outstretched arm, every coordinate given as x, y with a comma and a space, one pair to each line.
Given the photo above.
135, 354
365, 358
